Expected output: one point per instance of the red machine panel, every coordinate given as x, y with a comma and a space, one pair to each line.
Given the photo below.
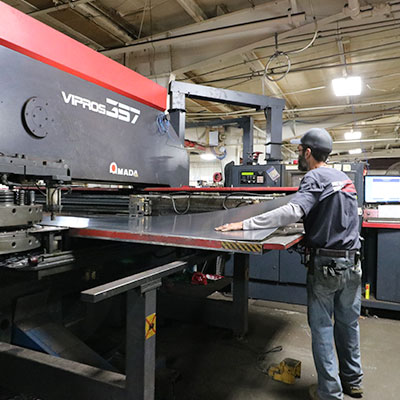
35, 39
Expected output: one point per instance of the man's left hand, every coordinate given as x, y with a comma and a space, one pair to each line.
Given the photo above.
234, 226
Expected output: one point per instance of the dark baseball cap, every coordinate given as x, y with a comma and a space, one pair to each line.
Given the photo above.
316, 138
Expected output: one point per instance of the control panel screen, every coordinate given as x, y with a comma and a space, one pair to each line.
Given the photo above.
252, 177
381, 189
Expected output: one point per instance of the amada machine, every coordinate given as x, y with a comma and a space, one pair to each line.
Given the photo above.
81, 137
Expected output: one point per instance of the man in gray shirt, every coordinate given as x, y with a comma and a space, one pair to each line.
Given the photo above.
327, 203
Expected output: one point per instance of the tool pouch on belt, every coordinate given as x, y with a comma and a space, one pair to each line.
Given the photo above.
332, 269
328, 261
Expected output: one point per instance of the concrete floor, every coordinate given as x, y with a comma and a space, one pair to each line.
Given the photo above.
214, 366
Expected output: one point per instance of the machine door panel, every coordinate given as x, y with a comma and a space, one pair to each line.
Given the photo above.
388, 271
262, 267
265, 267
291, 269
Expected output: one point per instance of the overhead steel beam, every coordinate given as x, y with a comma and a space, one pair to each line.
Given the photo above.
193, 9
103, 21
245, 15
58, 7
250, 58
64, 28
97, 14
293, 5
115, 16
200, 16
153, 43
306, 28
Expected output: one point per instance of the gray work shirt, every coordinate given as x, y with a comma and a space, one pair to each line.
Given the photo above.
328, 199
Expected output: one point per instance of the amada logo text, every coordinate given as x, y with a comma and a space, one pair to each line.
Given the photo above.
115, 170
112, 108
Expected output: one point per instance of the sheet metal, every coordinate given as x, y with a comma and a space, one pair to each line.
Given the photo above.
190, 226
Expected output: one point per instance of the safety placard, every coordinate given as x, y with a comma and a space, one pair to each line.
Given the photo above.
150, 328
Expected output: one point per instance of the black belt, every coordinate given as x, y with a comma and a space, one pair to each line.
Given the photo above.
334, 253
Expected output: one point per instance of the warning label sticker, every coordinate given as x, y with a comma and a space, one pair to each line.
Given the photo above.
150, 327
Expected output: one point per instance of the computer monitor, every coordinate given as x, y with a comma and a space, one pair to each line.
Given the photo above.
381, 189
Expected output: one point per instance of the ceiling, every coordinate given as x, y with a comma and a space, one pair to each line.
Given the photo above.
229, 44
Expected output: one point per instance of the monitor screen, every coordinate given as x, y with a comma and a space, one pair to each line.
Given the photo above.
382, 189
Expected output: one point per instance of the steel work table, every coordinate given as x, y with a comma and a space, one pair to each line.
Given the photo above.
196, 231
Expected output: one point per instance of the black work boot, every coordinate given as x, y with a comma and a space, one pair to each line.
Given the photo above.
353, 391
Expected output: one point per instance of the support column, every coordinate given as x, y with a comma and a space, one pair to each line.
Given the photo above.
274, 133
240, 307
248, 140
178, 118
177, 113
141, 343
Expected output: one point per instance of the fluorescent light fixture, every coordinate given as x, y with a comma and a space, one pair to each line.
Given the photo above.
207, 156
350, 86
355, 151
352, 135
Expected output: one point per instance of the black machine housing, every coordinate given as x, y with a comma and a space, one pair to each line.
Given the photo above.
94, 134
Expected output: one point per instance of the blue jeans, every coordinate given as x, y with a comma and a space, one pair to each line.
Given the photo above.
336, 295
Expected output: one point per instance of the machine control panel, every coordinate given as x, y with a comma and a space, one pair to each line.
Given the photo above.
259, 175
252, 177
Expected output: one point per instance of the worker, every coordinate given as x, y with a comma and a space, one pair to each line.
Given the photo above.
327, 203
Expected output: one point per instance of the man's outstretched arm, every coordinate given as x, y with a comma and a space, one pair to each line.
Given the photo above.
282, 216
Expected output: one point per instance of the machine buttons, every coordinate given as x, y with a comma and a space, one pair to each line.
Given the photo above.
252, 178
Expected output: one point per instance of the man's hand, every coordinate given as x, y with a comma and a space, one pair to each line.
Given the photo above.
234, 226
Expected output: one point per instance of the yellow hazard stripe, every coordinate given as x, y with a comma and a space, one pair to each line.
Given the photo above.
241, 246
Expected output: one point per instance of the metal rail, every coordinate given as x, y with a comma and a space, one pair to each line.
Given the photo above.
123, 285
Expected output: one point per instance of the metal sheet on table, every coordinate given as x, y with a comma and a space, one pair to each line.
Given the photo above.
190, 226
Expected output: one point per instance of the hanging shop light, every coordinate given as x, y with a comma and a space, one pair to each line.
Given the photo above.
349, 86
352, 135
